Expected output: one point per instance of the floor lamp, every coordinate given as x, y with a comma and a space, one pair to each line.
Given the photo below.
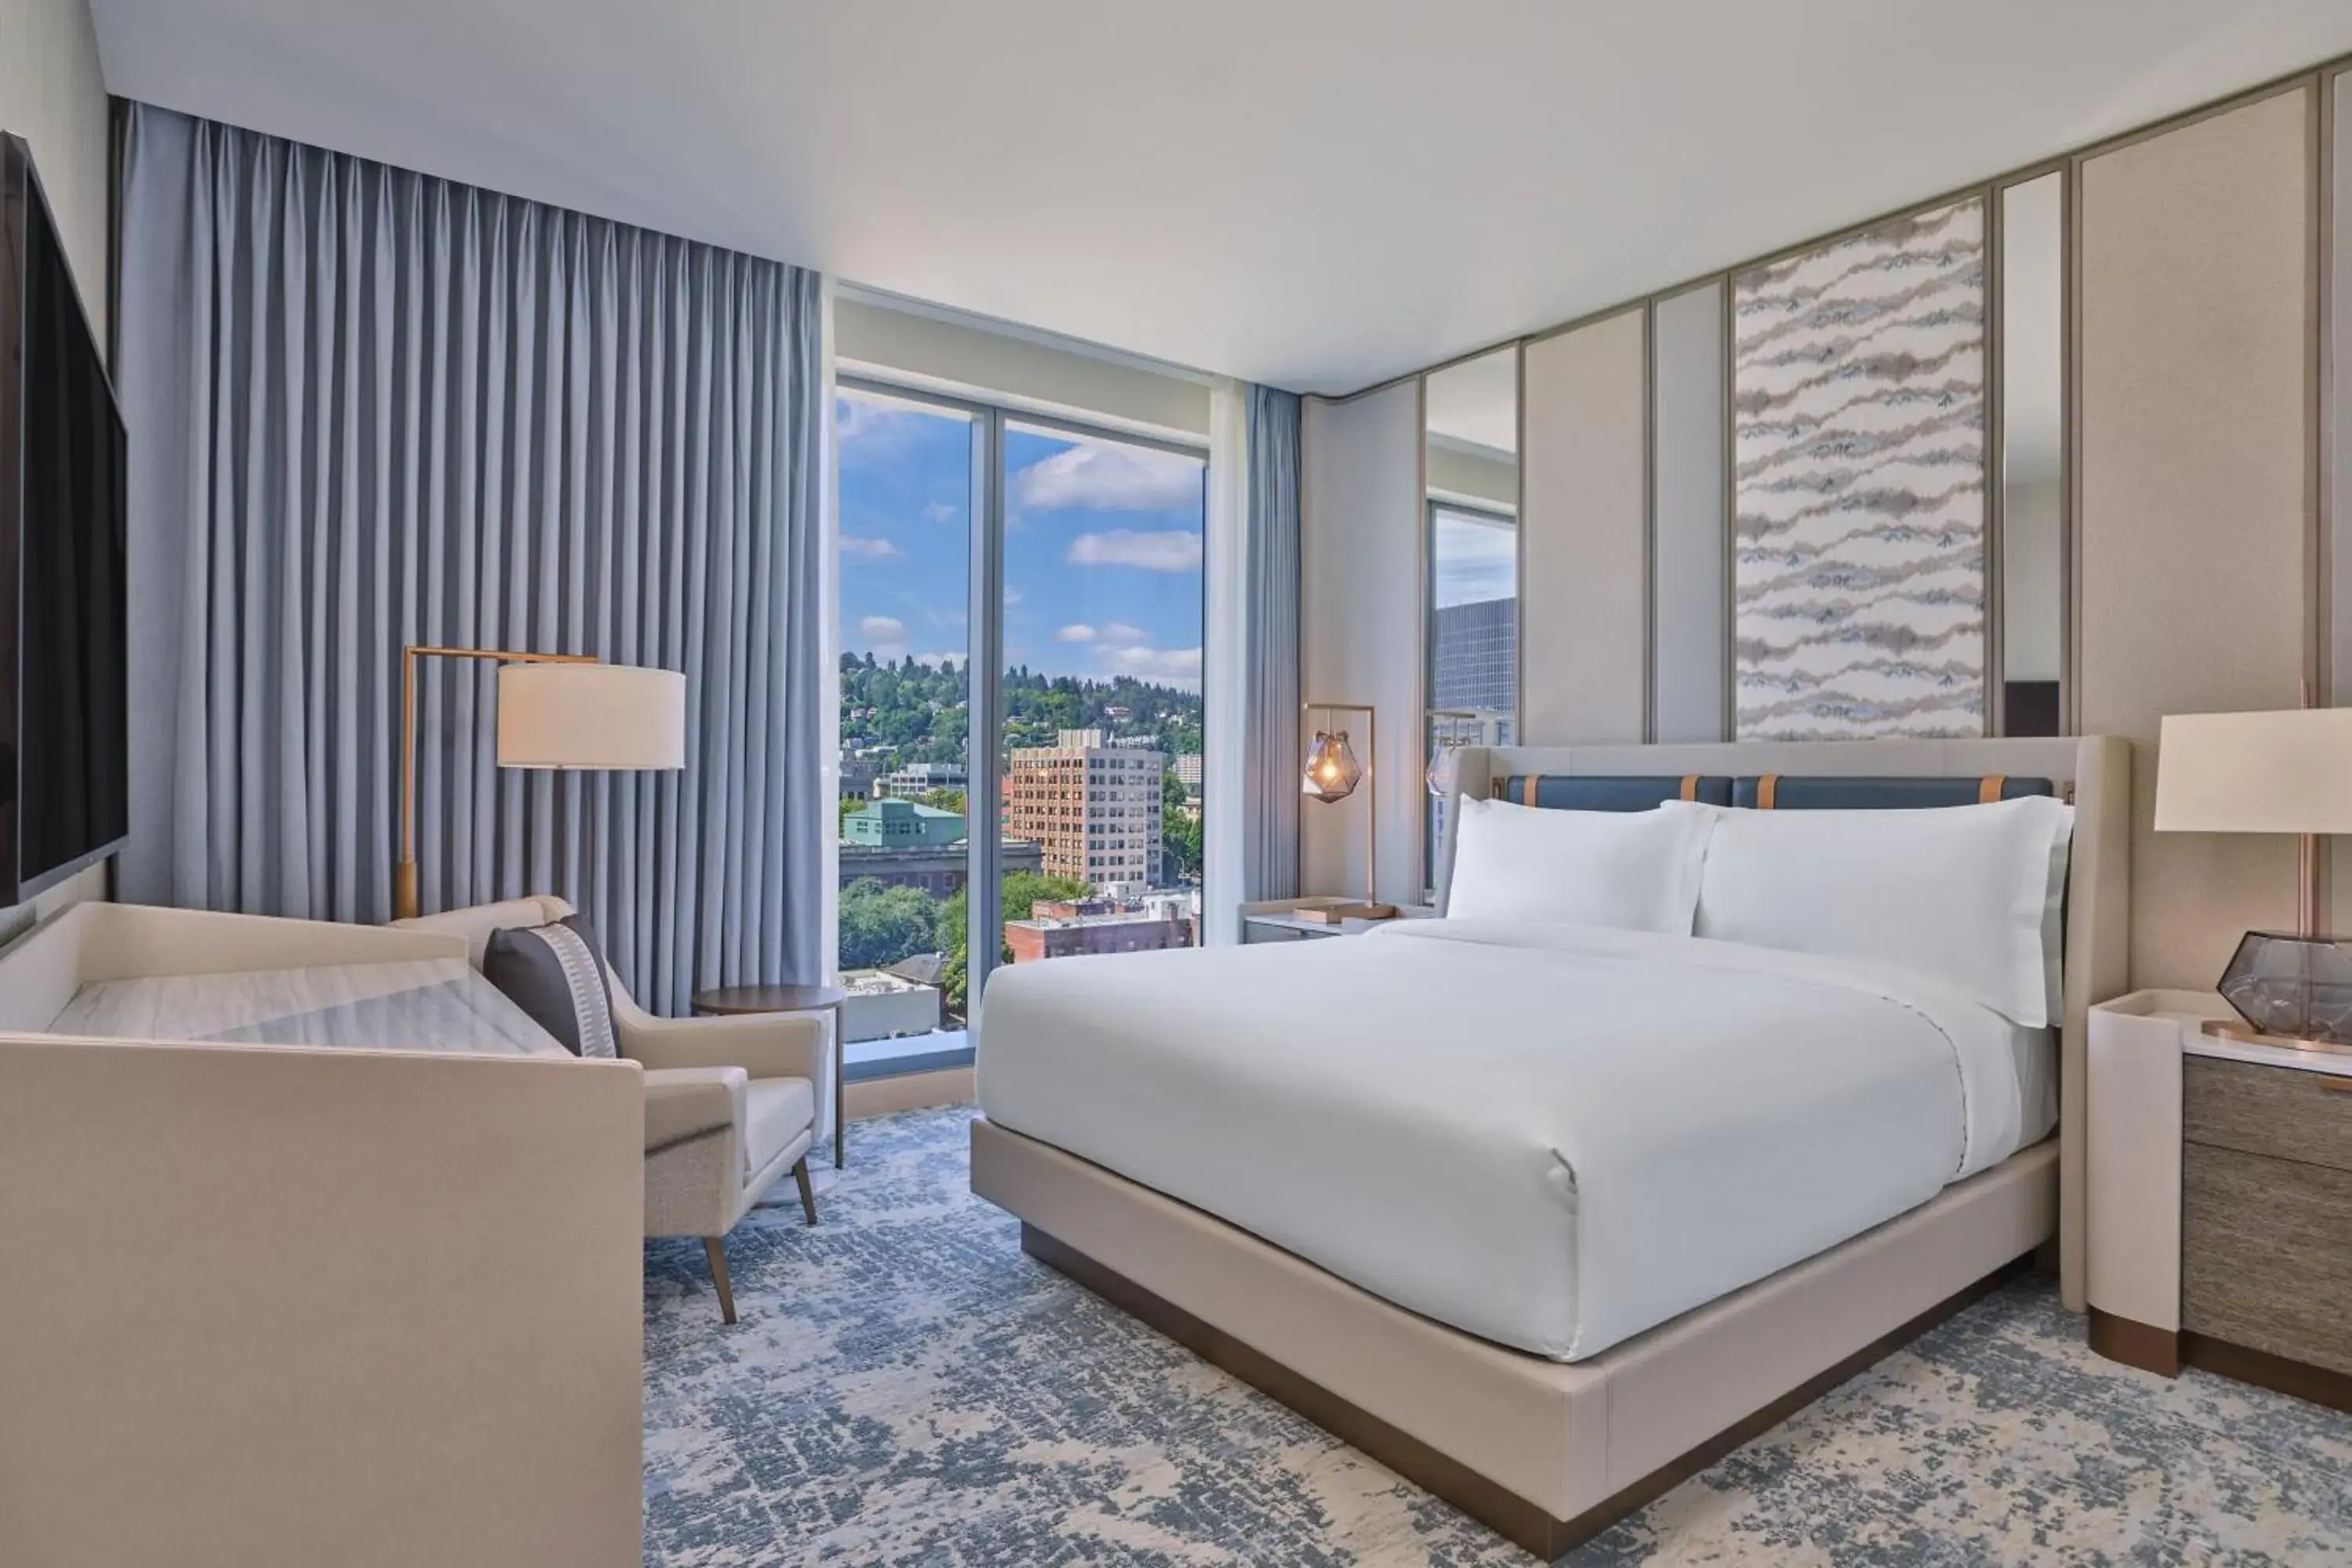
555, 711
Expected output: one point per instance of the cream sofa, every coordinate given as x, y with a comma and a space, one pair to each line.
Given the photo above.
731, 1103
266, 1303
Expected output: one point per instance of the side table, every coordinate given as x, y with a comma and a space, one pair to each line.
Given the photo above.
730, 1000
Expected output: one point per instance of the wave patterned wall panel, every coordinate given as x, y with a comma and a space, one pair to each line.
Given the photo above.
1859, 402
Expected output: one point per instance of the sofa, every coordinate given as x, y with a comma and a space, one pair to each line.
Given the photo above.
731, 1103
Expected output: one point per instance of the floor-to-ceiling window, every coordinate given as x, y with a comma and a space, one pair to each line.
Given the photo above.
1101, 743
908, 469
1047, 578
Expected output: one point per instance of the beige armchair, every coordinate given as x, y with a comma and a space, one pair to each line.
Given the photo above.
731, 1103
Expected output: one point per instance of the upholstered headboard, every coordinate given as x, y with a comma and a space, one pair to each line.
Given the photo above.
2098, 889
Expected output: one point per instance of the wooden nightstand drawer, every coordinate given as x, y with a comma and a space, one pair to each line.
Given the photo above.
2266, 1253
2258, 1110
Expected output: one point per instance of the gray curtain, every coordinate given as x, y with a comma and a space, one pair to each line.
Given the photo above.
370, 408
1270, 867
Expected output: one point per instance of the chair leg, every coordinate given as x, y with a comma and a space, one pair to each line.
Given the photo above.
717, 1249
808, 1194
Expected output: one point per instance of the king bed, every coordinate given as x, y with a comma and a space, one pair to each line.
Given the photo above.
1546, 1211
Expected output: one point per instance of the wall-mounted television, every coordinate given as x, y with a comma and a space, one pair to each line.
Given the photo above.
64, 697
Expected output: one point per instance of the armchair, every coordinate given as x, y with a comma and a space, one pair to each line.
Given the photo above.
731, 1103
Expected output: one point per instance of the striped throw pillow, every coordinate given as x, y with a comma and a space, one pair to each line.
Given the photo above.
554, 973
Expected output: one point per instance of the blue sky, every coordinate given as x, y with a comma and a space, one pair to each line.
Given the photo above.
1102, 551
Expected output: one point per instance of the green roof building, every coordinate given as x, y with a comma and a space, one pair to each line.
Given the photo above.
902, 824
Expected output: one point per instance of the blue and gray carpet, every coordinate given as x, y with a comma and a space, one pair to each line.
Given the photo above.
906, 1387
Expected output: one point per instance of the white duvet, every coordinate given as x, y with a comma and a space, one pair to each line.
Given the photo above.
1551, 1137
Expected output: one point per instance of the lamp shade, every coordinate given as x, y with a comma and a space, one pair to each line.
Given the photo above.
2285, 771
1332, 769
591, 716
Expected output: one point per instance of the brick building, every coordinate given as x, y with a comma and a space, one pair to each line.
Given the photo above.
1092, 808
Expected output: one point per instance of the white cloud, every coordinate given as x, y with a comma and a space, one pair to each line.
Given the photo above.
1012, 595
1177, 667
1079, 632
885, 636
942, 512
869, 549
938, 660
1475, 560
1122, 479
1119, 634
870, 433
1171, 549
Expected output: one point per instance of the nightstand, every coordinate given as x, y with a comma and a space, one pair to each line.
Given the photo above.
2218, 1199
1278, 920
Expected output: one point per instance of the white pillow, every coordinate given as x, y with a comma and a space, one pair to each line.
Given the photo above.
1635, 870
1967, 894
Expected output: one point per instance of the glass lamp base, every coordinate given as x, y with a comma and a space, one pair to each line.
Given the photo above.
2293, 989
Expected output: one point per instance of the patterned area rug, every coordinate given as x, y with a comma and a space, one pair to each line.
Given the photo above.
906, 1387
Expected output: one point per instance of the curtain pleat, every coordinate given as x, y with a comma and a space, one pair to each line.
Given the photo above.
1270, 867
372, 409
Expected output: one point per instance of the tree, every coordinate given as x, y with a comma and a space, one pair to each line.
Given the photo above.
1022, 890
881, 924
1179, 833
1180, 839
942, 800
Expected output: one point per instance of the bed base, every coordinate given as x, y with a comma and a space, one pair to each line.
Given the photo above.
1441, 1475
1547, 1454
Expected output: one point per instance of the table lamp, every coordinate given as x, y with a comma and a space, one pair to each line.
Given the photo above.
2285, 771
1332, 773
555, 711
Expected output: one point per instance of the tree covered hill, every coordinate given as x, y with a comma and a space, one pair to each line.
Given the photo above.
918, 711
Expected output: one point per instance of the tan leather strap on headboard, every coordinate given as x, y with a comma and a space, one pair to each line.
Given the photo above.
1531, 789
1989, 788
1767, 790
1498, 788
1690, 787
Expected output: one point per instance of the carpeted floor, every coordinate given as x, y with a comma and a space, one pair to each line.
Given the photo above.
906, 1387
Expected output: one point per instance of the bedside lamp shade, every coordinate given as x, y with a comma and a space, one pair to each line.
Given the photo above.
591, 716
1333, 772
2287, 771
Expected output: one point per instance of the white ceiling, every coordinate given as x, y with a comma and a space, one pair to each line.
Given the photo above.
1316, 194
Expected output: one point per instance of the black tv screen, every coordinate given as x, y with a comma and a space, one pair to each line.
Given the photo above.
64, 698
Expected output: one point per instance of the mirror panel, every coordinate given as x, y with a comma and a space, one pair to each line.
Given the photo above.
1470, 567
2033, 448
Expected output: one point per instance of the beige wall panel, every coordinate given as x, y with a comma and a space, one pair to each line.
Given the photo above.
2195, 472
1361, 628
1583, 632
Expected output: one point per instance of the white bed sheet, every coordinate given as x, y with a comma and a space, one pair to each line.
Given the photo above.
1551, 1137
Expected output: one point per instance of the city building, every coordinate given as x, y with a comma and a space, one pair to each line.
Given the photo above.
884, 1003
915, 778
1060, 931
902, 824
1188, 770
904, 844
1092, 808
939, 871
1474, 664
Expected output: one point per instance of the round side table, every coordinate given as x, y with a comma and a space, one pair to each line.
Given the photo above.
730, 1000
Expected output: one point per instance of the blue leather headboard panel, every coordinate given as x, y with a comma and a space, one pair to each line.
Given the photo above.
1790, 791
1599, 792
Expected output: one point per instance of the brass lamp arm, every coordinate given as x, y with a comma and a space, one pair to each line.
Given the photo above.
403, 877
